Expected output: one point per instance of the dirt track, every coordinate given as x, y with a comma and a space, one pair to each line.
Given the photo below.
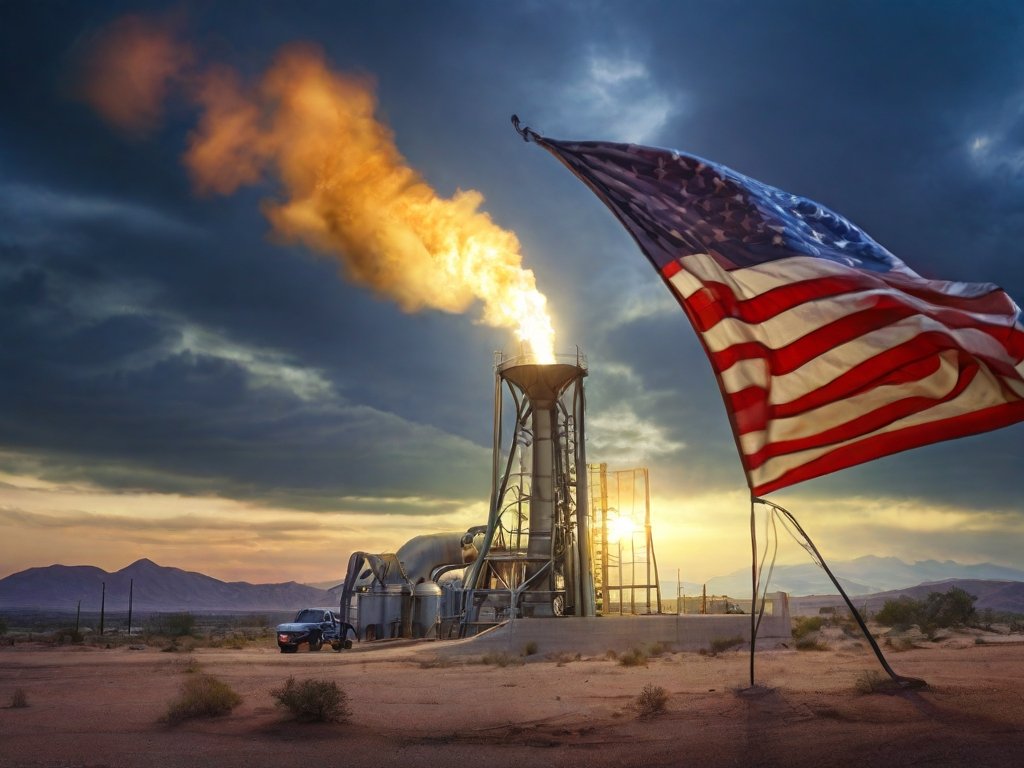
102, 708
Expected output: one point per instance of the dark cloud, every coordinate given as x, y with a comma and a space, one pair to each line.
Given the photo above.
142, 328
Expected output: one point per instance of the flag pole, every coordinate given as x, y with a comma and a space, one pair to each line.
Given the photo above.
900, 680
753, 584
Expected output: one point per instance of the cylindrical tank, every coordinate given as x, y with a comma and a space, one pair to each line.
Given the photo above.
371, 615
392, 618
426, 612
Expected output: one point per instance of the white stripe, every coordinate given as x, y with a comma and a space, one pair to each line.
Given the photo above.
795, 323
936, 386
763, 277
836, 361
982, 392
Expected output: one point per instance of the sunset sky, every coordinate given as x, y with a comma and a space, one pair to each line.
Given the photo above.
194, 371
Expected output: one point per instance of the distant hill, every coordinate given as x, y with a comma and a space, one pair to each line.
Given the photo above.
997, 595
156, 589
862, 576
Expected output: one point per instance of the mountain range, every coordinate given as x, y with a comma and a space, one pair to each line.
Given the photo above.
158, 588
863, 576
155, 588
995, 595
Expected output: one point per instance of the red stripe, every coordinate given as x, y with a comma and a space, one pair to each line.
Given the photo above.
912, 360
671, 268
716, 301
798, 353
901, 440
885, 312
867, 422
750, 409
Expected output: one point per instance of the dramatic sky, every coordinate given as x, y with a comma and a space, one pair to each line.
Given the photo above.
193, 369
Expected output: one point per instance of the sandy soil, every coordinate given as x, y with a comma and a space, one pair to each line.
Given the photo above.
102, 708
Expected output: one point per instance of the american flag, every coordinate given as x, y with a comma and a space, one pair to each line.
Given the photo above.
829, 350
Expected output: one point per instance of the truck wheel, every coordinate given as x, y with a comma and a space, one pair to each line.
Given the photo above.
315, 644
289, 649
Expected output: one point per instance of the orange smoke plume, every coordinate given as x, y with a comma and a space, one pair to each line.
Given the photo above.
128, 70
348, 191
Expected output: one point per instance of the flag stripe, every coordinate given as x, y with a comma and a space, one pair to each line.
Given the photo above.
977, 396
877, 446
858, 417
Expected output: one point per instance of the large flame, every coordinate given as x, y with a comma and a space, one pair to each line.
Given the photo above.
348, 191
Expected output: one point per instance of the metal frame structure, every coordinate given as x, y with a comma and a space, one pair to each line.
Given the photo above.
617, 494
535, 559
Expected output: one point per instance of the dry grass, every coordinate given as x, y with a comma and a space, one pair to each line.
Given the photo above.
876, 682
313, 701
19, 699
437, 662
722, 644
633, 658
651, 701
501, 659
658, 649
810, 644
563, 658
202, 696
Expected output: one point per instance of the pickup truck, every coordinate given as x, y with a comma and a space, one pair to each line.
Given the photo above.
313, 626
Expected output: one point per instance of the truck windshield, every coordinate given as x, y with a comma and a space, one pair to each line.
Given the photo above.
310, 616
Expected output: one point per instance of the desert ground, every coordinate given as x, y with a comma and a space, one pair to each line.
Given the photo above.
410, 707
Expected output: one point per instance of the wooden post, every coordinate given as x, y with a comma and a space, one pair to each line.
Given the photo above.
103, 605
131, 593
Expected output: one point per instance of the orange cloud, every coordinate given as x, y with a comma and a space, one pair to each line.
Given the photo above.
128, 69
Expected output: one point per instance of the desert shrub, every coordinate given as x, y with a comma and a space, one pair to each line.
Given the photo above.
952, 608
173, 624
876, 682
500, 659
900, 644
804, 625
191, 666
634, 657
437, 662
651, 701
235, 641
657, 649
870, 682
901, 613
810, 644
530, 649
611, 655
202, 696
180, 645
19, 699
563, 658
720, 644
3, 626
68, 635
313, 701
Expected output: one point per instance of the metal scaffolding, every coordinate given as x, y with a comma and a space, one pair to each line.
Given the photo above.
622, 548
